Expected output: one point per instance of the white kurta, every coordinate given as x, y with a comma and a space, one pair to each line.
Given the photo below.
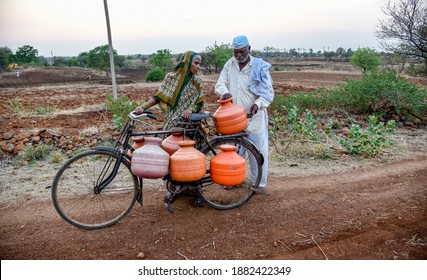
236, 82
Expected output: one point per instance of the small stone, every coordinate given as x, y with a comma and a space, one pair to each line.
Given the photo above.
140, 255
8, 148
6, 136
345, 131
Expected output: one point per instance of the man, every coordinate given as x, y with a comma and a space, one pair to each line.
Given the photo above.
247, 79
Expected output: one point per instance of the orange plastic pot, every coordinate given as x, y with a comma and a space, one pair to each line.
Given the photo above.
187, 164
230, 118
138, 142
150, 161
170, 144
228, 168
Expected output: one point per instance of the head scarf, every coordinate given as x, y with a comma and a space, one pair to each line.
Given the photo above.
174, 83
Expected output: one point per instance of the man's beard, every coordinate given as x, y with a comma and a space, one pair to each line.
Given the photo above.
241, 60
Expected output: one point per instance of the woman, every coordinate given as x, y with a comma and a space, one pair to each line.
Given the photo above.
181, 92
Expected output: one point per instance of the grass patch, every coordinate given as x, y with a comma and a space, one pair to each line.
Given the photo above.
23, 108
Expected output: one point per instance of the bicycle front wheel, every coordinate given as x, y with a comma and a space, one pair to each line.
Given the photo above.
229, 197
74, 195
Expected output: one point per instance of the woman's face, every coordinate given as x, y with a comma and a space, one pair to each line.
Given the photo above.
196, 65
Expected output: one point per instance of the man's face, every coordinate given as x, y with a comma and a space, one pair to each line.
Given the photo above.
242, 55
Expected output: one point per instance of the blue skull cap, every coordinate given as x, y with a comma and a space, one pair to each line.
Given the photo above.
240, 42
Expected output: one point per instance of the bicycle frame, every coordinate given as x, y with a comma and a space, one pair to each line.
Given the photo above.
107, 192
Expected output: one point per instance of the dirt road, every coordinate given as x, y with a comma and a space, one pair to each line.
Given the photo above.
371, 213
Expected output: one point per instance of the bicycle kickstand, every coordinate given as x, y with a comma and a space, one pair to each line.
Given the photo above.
168, 205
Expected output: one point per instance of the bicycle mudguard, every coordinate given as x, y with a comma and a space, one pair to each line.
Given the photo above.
113, 150
260, 155
105, 148
253, 144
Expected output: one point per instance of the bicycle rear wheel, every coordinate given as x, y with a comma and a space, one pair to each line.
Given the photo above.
73, 193
229, 197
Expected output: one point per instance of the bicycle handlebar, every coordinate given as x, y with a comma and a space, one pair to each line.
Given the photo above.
134, 116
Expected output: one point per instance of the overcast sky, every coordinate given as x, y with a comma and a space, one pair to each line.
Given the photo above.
67, 28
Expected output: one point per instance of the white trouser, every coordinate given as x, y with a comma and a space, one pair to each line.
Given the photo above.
261, 142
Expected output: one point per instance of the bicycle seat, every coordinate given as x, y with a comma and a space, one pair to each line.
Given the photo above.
199, 116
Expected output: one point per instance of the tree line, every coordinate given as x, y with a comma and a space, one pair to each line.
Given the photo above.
214, 57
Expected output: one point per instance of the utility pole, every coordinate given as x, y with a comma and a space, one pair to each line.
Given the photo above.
110, 45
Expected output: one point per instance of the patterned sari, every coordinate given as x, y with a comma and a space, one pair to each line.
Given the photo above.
180, 90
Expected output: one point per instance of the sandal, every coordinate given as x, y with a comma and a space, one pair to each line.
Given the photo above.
261, 191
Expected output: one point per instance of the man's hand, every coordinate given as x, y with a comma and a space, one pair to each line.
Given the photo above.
226, 96
253, 110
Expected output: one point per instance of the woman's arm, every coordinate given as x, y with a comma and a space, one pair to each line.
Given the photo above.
151, 102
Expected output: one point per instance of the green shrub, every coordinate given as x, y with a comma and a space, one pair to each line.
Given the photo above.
44, 111
368, 142
366, 58
20, 106
316, 101
375, 93
56, 157
155, 74
301, 134
298, 133
303, 127
379, 92
416, 70
33, 153
24, 107
120, 109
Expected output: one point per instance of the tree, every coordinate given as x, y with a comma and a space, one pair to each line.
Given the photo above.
340, 52
163, 59
328, 55
270, 51
61, 61
25, 54
5, 54
81, 60
216, 56
349, 52
293, 53
99, 58
406, 27
365, 58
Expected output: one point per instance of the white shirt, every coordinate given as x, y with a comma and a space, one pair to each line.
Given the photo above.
235, 82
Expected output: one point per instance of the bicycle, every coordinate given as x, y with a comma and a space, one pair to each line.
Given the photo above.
96, 188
